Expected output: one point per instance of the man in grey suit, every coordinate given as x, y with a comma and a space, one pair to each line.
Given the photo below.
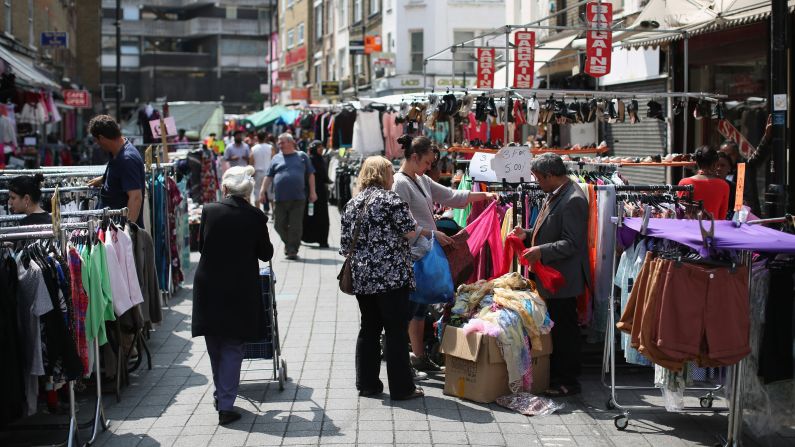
559, 240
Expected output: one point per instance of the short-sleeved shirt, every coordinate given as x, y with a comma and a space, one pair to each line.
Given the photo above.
289, 173
241, 151
124, 173
262, 156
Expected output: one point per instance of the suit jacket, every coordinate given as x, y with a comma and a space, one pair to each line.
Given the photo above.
227, 300
144, 255
563, 238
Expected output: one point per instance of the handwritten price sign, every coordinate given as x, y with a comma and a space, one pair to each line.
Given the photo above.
512, 163
480, 168
171, 127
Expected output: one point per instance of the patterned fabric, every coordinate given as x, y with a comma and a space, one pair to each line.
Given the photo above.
209, 181
79, 305
381, 260
174, 199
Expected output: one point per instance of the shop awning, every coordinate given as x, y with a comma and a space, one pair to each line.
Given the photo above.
545, 53
25, 72
269, 115
694, 16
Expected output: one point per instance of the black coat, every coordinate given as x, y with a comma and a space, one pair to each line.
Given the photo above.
227, 301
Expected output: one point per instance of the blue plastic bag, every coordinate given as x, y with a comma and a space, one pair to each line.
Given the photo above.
432, 274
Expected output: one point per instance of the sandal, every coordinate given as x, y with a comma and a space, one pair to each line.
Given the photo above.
414, 394
562, 391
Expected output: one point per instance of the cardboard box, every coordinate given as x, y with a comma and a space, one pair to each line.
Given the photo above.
475, 369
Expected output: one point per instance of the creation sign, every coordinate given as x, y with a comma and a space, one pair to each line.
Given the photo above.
80, 99
486, 67
599, 39
524, 56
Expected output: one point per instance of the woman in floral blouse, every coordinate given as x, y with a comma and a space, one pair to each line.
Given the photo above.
383, 276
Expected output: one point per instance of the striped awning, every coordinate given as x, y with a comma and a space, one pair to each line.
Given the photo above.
692, 16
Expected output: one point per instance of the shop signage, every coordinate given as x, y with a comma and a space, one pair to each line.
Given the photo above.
295, 56
285, 75
486, 68
277, 90
372, 44
383, 64
731, 133
171, 127
356, 46
54, 39
330, 88
524, 59
299, 94
599, 39
480, 169
77, 98
512, 164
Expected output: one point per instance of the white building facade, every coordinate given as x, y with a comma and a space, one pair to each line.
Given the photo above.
415, 29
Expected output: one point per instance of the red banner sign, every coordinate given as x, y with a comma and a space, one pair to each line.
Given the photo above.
295, 56
524, 59
486, 67
731, 133
298, 94
80, 99
599, 41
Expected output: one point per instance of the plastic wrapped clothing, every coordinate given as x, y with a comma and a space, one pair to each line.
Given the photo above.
529, 404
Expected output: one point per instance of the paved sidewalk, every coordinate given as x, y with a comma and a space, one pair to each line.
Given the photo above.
172, 403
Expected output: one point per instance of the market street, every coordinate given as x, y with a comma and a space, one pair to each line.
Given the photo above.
172, 403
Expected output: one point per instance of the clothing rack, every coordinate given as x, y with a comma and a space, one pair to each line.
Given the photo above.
621, 421
61, 190
56, 230
154, 168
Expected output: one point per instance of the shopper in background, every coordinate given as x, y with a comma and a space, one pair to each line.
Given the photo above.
707, 187
316, 220
376, 227
732, 150
420, 193
290, 173
238, 153
559, 240
123, 183
261, 156
24, 195
182, 141
227, 300
723, 168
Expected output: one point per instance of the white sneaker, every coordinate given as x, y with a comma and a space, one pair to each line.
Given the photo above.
418, 375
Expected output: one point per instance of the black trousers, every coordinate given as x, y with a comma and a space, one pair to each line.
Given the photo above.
566, 357
384, 311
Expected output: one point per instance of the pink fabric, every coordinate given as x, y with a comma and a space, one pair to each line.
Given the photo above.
392, 132
487, 228
476, 130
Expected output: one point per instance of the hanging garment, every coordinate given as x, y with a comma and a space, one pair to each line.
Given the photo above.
392, 131
605, 250
80, 304
144, 254
460, 215
487, 228
367, 136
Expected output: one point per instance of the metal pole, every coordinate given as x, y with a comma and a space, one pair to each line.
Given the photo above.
779, 39
452, 50
686, 88
118, 60
270, 51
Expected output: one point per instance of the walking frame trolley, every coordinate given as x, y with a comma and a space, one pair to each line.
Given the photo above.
268, 348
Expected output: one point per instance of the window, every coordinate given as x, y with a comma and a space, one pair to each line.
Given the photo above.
300, 33
416, 51
464, 67
342, 13
231, 12
130, 13
358, 67
341, 63
375, 6
357, 11
389, 42
561, 18
7, 12
318, 73
290, 38
319, 21
331, 72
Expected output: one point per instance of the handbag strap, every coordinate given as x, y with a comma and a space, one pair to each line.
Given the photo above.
357, 224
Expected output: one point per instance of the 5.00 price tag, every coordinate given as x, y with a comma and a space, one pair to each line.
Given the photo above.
512, 163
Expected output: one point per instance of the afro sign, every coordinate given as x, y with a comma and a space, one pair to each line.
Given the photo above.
599, 41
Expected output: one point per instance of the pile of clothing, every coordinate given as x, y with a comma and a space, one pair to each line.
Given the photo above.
509, 309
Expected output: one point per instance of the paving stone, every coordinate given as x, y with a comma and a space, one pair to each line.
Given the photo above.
228, 439
375, 437
412, 437
485, 438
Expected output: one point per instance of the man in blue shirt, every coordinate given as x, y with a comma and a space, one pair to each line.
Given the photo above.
123, 183
289, 172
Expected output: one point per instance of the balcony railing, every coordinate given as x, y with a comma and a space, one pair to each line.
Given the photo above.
111, 4
201, 26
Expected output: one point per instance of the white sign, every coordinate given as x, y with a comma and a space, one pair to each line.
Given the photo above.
779, 102
480, 168
171, 127
512, 164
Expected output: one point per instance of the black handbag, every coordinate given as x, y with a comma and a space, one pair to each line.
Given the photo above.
346, 274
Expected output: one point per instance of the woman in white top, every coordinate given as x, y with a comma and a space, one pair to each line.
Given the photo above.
261, 156
420, 193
